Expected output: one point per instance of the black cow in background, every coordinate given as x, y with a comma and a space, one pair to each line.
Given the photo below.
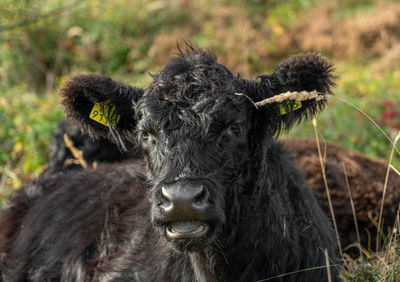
219, 200
101, 150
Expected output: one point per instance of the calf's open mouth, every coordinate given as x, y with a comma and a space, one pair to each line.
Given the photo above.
186, 229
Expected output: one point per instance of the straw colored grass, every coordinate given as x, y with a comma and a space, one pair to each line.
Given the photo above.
384, 265
314, 122
78, 155
378, 238
289, 95
380, 266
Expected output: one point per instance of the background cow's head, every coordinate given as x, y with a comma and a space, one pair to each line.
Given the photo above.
200, 132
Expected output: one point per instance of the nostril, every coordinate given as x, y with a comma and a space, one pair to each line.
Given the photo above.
201, 197
183, 198
166, 194
166, 200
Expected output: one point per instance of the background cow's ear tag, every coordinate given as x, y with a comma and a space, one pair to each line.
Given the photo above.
103, 109
282, 109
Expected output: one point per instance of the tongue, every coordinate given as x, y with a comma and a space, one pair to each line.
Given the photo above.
185, 226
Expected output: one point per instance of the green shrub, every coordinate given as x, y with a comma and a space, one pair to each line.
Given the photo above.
344, 124
28, 120
91, 35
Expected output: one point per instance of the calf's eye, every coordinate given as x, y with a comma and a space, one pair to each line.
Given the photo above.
143, 136
234, 130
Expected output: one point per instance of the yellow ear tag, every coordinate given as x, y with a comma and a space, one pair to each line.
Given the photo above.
296, 105
101, 109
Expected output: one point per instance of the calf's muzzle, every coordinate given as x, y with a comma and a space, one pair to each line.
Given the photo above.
184, 206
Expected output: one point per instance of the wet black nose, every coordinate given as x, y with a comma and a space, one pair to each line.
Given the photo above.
184, 202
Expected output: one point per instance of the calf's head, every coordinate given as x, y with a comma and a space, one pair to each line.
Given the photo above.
200, 132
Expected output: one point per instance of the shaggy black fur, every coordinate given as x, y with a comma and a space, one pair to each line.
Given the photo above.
366, 178
260, 217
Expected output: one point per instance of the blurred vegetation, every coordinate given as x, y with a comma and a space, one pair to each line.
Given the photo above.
44, 42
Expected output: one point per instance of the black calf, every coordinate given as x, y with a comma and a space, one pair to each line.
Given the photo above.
225, 202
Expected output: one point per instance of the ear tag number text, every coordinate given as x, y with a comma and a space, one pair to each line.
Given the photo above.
101, 109
296, 105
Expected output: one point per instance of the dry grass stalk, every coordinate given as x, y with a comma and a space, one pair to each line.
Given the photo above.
395, 170
290, 95
352, 208
299, 96
372, 218
241, 94
78, 155
358, 246
384, 191
393, 237
328, 267
294, 272
326, 186
69, 162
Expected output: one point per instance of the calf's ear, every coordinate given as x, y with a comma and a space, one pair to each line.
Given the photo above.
295, 91
102, 107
